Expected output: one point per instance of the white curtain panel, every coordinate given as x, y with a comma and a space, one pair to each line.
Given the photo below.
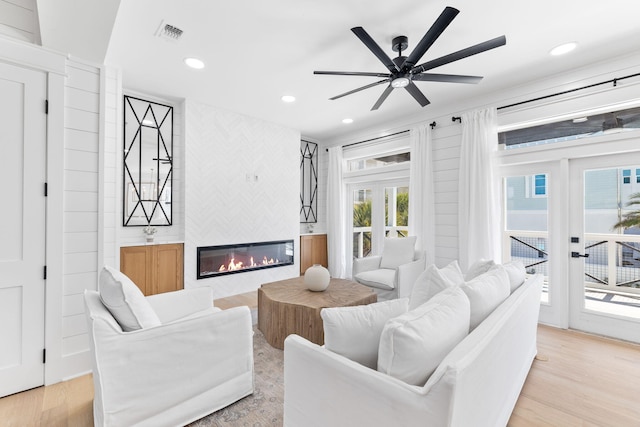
421, 194
336, 217
478, 195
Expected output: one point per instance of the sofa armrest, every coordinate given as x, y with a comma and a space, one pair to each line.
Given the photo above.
170, 306
366, 264
184, 357
323, 388
407, 276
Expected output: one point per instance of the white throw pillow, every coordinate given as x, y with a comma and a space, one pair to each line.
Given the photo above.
397, 251
485, 293
354, 332
478, 268
383, 278
434, 280
517, 273
125, 301
413, 345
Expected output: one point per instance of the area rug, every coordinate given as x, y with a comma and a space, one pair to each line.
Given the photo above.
264, 408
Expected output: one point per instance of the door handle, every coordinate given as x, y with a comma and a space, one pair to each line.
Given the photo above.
578, 255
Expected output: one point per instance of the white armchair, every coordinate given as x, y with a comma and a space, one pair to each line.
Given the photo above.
392, 274
197, 361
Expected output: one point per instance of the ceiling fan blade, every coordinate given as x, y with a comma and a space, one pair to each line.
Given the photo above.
443, 21
359, 89
417, 95
352, 73
473, 50
375, 48
382, 98
446, 78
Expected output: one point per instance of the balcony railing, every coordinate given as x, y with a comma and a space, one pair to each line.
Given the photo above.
362, 238
613, 263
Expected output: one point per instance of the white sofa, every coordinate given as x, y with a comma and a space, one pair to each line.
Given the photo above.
198, 360
476, 384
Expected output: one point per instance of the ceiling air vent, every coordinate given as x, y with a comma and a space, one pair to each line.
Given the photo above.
169, 32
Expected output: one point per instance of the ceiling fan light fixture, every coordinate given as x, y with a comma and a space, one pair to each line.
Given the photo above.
400, 82
563, 49
194, 63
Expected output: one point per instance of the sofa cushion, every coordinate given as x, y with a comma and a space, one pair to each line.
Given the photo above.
486, 292
413, 345
354, 332
397, 251
477, 268
125, 301
434, 280
516, 272
383, 278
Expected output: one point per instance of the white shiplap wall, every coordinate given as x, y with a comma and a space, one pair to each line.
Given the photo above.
446, 140
81, 204
18, 19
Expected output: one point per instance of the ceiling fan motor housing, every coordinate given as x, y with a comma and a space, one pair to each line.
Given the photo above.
400, 43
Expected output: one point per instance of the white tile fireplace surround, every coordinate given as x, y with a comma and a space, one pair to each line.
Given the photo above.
242, 179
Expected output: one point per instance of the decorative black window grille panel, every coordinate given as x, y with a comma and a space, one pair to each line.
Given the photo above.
147, 163
308, 182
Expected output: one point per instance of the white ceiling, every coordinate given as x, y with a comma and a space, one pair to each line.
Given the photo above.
256, 51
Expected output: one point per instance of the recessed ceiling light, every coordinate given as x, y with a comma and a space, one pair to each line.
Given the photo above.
288, 98
563, 48
194, 63
347, 121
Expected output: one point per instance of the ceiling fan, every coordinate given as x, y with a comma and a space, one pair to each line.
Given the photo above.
403, 70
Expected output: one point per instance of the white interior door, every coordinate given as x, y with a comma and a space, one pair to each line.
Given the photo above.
22, 228
604, 263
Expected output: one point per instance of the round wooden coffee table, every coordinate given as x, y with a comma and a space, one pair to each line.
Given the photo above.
288, 307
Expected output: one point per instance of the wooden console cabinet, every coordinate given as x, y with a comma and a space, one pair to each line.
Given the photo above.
313, 250
154, 268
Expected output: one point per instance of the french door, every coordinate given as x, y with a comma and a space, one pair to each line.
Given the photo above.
379, 209
604, 261
22, 248
559, 219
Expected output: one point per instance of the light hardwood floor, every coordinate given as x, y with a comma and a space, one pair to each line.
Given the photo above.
577, 380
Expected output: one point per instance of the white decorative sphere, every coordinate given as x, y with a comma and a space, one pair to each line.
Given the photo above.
317, 278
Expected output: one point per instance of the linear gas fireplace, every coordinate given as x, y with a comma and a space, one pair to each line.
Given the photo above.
216, 261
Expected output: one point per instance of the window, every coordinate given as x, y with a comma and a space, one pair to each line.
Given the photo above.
572, 129
637, 175
540, 185
379, 161
626, 176
536, 186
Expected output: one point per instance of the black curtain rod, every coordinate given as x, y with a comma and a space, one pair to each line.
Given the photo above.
373, 139
614, 81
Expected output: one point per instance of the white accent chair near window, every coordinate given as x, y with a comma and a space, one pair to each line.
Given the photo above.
166, 359
392, 274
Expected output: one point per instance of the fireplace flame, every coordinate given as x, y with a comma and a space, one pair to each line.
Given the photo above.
233, 265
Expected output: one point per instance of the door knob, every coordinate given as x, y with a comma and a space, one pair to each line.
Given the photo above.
578, 255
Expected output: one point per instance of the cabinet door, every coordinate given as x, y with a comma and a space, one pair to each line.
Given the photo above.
168, 261
135, 263
313, 250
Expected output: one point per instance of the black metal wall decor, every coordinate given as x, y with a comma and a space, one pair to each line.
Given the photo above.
308, 182
147, 163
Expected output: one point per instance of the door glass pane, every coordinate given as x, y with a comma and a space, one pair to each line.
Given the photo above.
612, 241
396, 211
527, 224
362, 200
